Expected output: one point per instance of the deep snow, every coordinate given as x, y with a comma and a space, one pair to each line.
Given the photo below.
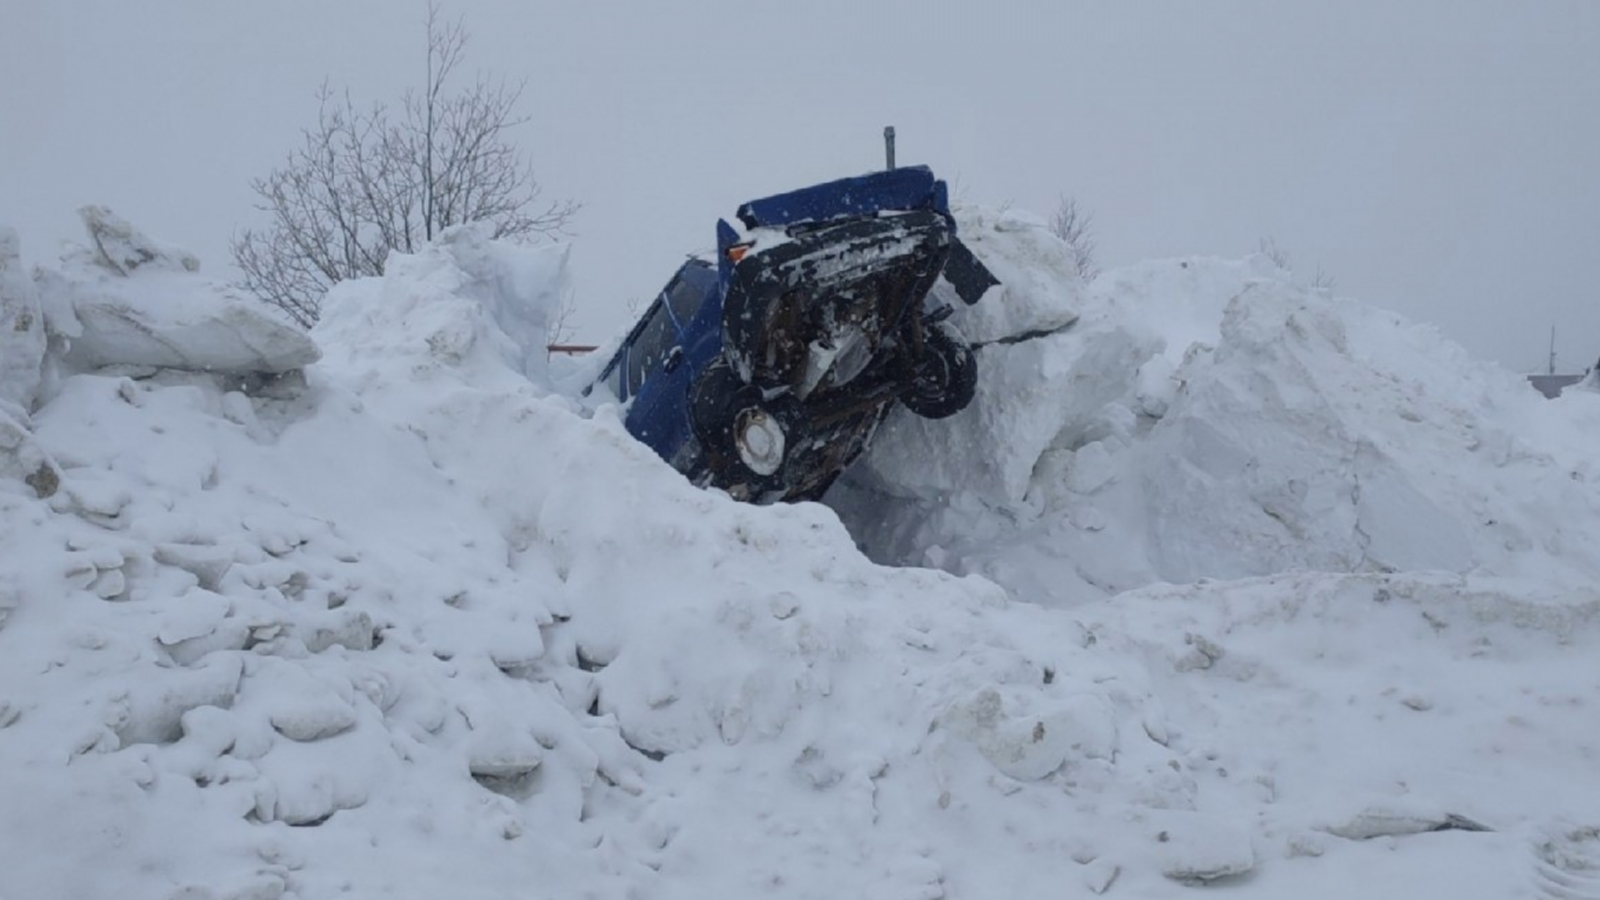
1246, 586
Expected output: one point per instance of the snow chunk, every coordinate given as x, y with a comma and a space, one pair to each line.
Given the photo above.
151, 709
1030, 747
1200, 848
132, 301
466, 302
1039, 290
121, 248
523, 288
23, 459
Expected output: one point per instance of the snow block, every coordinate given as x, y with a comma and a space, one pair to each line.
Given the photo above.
522, 288
133, 301
179, 324
467, 304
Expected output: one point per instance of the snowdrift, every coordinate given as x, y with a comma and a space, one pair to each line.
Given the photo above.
1204, 418
406, 622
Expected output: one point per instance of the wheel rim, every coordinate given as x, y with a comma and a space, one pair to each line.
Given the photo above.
759, 439
934, 377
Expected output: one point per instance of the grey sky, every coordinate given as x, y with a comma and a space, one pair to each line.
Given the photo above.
1441, 158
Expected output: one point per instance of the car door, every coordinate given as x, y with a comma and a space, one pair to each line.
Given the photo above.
658, 375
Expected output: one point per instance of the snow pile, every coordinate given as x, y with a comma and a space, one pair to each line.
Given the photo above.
1316, 436
413, 626
1205, 418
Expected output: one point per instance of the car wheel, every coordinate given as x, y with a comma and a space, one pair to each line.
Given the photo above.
945, 375
758, 439
746, 438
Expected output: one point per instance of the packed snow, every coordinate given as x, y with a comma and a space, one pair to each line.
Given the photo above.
1221, 584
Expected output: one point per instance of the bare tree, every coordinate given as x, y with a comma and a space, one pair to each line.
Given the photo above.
1075, 229
1323, 280
366, 182
1268, 247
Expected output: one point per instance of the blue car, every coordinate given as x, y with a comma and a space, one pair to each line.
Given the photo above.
766, 371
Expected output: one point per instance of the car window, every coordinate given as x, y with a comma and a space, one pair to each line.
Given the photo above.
613, 379
687, 293
656, 337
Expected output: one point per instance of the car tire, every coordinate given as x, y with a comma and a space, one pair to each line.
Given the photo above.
945, 375
747, 439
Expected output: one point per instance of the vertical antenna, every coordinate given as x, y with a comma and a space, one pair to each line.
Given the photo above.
888, 146
1552, 349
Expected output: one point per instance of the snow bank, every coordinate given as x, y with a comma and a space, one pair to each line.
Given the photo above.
1206, 418
416, 627
286, 644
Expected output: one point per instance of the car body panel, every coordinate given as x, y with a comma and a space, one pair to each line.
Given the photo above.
912, 187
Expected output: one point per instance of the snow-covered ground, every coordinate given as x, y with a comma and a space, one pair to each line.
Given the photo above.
1221, 585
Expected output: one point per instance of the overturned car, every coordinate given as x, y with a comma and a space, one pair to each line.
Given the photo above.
766, 371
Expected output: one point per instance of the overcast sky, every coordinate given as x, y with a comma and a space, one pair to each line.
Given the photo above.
1440, 158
